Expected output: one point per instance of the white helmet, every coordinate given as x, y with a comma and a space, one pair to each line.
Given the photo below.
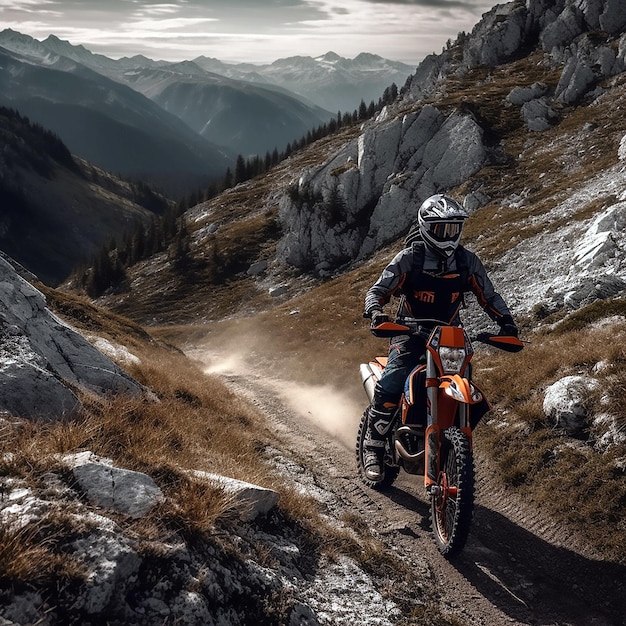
441, 221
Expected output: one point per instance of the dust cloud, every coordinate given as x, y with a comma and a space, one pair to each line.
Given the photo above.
328, 408
334, 411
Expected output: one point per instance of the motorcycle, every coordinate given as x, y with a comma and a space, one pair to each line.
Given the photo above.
431, 431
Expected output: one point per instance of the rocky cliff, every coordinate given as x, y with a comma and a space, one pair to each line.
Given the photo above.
44, 364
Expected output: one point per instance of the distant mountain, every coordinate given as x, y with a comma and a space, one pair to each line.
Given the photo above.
109, 124
56, 210
250, 118
243, 117
330, 81
97, 62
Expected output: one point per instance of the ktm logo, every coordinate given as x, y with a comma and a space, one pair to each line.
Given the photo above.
425, 296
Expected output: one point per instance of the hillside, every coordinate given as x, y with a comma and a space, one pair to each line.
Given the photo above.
546, 218
58, 210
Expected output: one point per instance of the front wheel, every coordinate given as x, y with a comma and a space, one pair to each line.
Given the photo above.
390, 472
452, 498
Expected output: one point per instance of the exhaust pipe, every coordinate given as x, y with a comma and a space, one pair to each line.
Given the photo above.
369, 378
401, 450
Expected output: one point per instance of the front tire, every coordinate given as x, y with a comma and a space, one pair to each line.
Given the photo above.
390, 472
452, 502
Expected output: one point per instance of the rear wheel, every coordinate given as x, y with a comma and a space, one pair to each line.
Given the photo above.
390, 472
452, 499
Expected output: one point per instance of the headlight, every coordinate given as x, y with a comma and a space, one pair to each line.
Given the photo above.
452, 359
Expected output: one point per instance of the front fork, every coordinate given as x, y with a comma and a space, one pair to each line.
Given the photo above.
433, 432
434, 478
431, 473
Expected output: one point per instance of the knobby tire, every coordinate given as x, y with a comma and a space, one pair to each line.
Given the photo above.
451, 516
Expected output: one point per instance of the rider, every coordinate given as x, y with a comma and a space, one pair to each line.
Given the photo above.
430, 275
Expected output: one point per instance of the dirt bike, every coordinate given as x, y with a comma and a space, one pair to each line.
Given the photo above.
431, 431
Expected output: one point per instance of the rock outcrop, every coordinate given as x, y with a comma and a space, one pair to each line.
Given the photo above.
566, 403
125, 581
43, 362
366, 195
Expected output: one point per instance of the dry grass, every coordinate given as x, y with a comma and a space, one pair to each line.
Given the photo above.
193, 422
32, 555
540, 462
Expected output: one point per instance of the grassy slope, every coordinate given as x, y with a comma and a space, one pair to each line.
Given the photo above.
196, 424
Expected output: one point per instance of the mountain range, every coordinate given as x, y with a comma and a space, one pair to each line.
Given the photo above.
330, 81
105, 122
179, 125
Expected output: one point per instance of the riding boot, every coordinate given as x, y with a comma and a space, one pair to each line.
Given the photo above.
378, 424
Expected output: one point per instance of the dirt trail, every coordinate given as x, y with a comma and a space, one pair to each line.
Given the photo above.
518, 566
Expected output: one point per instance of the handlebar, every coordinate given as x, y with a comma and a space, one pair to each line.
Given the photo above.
407, 326
424, 328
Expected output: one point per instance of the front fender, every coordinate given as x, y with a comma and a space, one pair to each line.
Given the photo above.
460, 389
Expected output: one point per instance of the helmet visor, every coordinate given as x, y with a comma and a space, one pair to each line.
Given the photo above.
445, 231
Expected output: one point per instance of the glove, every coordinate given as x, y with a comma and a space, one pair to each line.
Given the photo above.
507, 327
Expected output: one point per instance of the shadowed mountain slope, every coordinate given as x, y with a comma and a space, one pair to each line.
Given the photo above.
109, 124
56, 209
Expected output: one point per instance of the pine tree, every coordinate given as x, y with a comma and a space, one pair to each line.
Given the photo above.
240, 170
362, 114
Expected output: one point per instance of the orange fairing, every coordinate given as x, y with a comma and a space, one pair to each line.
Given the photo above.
460, 389
452, 336
508, 343
398, 329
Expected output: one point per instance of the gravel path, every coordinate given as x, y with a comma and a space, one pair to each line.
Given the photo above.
518, 567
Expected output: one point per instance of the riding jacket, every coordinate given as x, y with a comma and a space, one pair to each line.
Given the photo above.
432, 286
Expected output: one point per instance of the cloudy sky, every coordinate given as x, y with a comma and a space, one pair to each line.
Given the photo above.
248, 30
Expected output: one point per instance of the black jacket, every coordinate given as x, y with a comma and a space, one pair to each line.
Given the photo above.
433, 287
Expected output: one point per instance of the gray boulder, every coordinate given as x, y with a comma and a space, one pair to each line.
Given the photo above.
130, 493
585, 65
543, 12
613, 18
521, 95
43, 362
568, 25
249, 501
498, 36
110, 560
538, 115
566, 401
